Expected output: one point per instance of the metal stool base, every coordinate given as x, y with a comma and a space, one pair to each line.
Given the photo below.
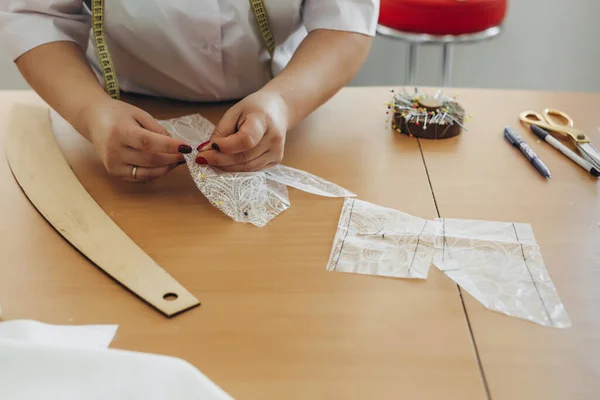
414, 39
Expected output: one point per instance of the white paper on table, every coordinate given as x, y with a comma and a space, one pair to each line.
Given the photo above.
500, 264
50, 362
375, 240
253, 197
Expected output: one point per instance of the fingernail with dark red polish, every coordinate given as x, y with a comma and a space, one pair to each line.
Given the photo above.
201, 145
216, 147
201, 160
185, 149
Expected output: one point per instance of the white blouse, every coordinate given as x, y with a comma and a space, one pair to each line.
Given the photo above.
198, 50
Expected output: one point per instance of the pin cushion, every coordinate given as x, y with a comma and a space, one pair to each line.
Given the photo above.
425, 116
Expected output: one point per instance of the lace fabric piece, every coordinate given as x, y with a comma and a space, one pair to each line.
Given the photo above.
498, 263
252, 197
501, 266
306, 182
375, 240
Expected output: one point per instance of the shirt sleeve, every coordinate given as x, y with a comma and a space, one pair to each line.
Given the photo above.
358, 16
26, 24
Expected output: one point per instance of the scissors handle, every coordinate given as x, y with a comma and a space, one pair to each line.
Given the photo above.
553, 117
532, 117
535, 118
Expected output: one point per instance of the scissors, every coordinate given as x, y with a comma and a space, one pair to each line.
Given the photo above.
560, 123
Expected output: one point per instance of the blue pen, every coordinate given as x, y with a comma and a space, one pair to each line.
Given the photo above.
521, 144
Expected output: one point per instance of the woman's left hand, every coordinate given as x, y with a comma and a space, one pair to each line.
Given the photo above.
250, 136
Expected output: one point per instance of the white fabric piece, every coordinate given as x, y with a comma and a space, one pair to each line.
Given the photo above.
253, 197
50, 362
500, 264
34, 332
32, 372
205, 50
375, 240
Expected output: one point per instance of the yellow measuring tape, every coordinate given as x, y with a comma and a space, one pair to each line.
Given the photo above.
111, 83
260, 13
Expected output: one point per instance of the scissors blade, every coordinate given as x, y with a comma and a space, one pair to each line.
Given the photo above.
590, 153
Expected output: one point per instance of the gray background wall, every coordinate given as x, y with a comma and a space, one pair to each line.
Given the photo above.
546, 45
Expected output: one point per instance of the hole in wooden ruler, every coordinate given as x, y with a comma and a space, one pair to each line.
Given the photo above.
170, 297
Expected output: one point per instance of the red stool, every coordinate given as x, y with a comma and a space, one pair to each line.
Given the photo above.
442, 22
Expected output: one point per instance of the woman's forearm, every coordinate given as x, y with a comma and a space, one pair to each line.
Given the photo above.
325, 62
59, 72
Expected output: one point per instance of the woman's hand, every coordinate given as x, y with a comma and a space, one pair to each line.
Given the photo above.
126, 136
250, 136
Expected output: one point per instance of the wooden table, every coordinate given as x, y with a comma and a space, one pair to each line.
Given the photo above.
273, 323
479, 176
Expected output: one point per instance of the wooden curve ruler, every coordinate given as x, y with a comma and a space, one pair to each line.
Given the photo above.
42, 172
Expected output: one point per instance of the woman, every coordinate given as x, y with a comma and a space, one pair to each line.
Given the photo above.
203, 50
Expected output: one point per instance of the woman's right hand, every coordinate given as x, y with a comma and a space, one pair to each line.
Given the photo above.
126, 136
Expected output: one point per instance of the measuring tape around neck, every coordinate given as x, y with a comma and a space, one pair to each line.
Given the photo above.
262, 20
111, 83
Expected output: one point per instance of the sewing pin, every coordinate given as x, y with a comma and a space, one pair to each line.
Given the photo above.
455, 120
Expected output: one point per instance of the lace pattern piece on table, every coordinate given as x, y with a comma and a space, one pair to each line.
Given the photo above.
253, 197
500, 264
375, 240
